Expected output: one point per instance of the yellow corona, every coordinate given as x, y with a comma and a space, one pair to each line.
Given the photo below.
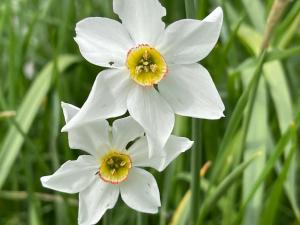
146, 65
114, 167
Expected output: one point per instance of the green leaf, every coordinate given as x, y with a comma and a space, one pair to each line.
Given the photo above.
257, 18
213, 198
272, 203
182, 212
235, 120
26, 113
256, 140
270, 164
279, 91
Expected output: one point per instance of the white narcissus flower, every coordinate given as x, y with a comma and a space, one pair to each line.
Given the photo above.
153, 71
111, 169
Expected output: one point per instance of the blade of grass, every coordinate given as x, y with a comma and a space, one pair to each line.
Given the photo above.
270, 164
273, 201
213, 198
279, 90
26, 114
272, 55
256, 140
196, 136
196, 161
190, 9
7, 114
257, 18
182, 211
290, 33
235, 120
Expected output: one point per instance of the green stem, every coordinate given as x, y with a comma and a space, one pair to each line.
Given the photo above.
141, 220
166, 194
201, 8
107, 219
196, 159
190, 9
195, 155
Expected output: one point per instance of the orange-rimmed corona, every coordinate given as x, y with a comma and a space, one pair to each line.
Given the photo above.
114, 167
146, 65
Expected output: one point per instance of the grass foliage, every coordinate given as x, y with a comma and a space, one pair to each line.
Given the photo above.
253, 153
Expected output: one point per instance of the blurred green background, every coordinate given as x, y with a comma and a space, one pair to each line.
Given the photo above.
253, 177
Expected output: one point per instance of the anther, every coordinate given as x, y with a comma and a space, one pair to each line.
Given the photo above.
146, 55
153, 68
113, 171
146, 65
139, 69
114, 167
110, 161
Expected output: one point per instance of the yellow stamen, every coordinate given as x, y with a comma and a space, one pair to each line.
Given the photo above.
114, 166
113, 171
146, 65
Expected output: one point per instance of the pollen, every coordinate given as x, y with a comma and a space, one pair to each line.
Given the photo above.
146, 65
114, 167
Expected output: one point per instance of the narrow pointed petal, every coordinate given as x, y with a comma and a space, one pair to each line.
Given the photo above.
153, 113
190, 91
107, 98
141, 18
103, 42
95, 200
69, 111
173, 148
140, 191
91, 137
124, 131
188, 41
139, 154
72, 176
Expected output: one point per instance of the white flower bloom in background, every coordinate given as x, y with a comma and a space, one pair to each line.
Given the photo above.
153, 71
111, 169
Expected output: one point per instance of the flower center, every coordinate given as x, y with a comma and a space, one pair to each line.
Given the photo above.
146, 65
114, 167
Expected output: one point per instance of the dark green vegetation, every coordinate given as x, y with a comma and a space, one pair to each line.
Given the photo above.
254, 175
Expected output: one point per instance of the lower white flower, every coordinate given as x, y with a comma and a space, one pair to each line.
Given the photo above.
112, 169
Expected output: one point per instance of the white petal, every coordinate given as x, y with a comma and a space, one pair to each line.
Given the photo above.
190, 91
125, 130
103, 41
107, 98
188, 41
72, 176
140, 191
92, 137
142, 18
153, 113
95, 200
139, 154
173, 148
175, 145
69, 111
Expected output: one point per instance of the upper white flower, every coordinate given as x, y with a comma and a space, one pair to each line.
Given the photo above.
153, 71
110, 168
